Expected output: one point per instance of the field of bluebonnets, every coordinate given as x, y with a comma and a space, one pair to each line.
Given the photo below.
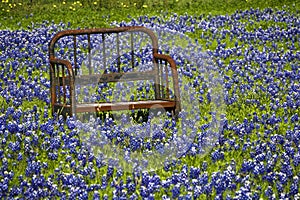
257, 153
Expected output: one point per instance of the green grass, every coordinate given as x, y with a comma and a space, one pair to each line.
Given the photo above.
103, 13
16, 14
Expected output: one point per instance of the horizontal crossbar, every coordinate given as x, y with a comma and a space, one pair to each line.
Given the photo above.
115, 77
105, 78
128, 105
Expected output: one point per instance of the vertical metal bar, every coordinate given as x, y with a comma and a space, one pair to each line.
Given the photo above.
156, 81
167, 81
63, 82
75, 54
53, 86
118, 53
90, 56
104, 56
132, 50
58, 83
161, 79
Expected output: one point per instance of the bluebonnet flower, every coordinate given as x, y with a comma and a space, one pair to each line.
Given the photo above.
144, 192
217, 155
282, 178
131, 187
176, 191
268, 62
110, 171
269, 193
119, 172
96, 195
287, 169
203, 178
70, 123
166, 183
296, 159
194, 172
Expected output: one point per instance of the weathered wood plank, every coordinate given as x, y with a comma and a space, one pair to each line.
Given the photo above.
130, 105
114, 77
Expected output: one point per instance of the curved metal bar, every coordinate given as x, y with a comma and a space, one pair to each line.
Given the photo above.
71, 82
172, 63
102, 30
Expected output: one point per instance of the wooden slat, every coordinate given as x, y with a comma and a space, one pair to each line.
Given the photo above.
114, 77
108, 106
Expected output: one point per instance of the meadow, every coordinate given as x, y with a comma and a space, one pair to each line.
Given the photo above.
251, 46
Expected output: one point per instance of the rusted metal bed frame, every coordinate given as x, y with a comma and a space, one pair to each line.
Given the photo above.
63, 76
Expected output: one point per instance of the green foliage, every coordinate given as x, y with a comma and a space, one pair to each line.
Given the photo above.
87, 13
100, 13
